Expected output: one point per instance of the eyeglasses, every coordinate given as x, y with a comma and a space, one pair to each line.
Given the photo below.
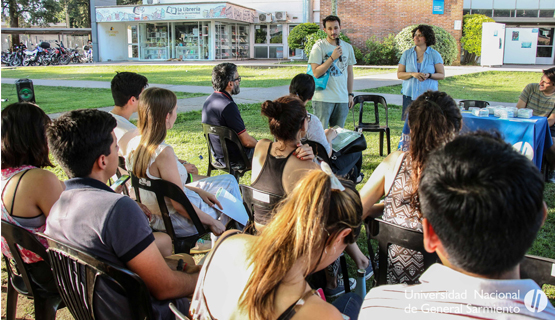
237, 79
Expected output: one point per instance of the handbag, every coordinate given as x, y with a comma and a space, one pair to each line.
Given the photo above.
321, 82
348, 141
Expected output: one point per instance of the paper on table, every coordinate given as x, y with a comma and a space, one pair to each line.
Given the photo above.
232, 207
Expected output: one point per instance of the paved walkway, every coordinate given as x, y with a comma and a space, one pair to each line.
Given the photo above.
257, 95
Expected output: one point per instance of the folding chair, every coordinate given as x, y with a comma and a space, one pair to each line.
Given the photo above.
165, 189
473, 103
225, 134
77, 273
46, 303
539, 269
386, 234
373, 126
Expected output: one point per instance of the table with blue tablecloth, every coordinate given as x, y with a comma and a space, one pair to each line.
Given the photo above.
529, 136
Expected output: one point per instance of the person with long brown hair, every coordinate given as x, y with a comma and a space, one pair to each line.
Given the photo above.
149, 156
434, 119
263, 277
28, 191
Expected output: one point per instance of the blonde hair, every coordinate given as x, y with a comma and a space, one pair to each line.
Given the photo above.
154, 105
309, 219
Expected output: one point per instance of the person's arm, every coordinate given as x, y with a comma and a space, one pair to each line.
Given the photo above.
521, 104
551, 119
162, 282
350, 82
166, 164
402, 74
439, 74
319, 69
374, 188
247, 140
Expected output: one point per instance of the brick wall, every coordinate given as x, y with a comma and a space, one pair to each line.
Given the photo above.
361, 19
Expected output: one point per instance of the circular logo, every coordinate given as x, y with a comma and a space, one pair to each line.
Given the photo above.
26, 94
535, 300
525, 148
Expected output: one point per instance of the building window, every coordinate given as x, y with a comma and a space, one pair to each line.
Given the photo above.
466, 11
528, 13
486, 12
546, 13
504, 13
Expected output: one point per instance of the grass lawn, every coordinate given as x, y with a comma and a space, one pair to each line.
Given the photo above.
61, 99
488, 86
261, 77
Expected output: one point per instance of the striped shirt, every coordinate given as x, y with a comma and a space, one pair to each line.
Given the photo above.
445, 293
537, 100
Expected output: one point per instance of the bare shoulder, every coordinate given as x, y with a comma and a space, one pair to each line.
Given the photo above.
390, 161
43, 178
316, 308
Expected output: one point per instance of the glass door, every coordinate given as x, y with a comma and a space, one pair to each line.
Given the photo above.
545, 52
268, 41
155, 41
133, 41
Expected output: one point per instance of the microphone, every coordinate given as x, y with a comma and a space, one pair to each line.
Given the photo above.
337, 41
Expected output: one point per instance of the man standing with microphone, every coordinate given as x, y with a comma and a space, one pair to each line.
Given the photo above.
337, 57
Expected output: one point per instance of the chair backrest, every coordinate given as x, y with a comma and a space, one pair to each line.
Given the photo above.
77, 272
225, 134
473, 103
257, 198
319, 151
539, 269
387, 233
19, 237
377, 100
163, 189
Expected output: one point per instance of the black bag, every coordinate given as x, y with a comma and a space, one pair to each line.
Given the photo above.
357, 145
44, 45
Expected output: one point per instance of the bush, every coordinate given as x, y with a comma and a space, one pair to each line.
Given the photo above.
320, 34
297, 36
446, 44
472, 32
359, 56
381, 53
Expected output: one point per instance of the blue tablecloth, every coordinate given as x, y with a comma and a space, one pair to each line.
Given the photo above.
529, 136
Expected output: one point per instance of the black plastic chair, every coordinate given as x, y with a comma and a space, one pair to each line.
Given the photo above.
77, 272
46, 303
165, 189
373, 126
473, 103
386, 234
539, 269
225, 134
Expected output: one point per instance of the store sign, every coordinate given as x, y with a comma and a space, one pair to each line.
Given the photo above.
438, 6
175, 12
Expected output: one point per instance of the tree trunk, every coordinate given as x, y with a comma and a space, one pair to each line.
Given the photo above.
66, 8
14, 20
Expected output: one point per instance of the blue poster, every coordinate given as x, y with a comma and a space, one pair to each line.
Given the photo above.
438, 6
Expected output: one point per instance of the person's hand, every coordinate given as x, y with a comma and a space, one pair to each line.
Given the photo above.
331, 133
351, 101
337, 52
145, 210
209, 198
191, 168
419, 76
216, 227
304, 152
119, 188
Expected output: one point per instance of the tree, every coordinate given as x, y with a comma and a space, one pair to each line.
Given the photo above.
472, 35
297, 36
22, 13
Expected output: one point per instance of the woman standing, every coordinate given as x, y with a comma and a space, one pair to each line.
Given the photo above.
420, 67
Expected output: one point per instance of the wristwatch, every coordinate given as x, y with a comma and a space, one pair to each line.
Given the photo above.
352, 94
430, 76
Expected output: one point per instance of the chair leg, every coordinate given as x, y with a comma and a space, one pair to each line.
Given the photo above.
381, 143
11, 301
45, 308
343, 262
388, 137
209, 170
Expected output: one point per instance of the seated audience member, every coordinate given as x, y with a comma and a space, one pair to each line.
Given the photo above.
220, 110
434, 119
275, 170
348, 165
150, 157
28, 191
482, 203
540, 97
126, 89
264, 275
95, 219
